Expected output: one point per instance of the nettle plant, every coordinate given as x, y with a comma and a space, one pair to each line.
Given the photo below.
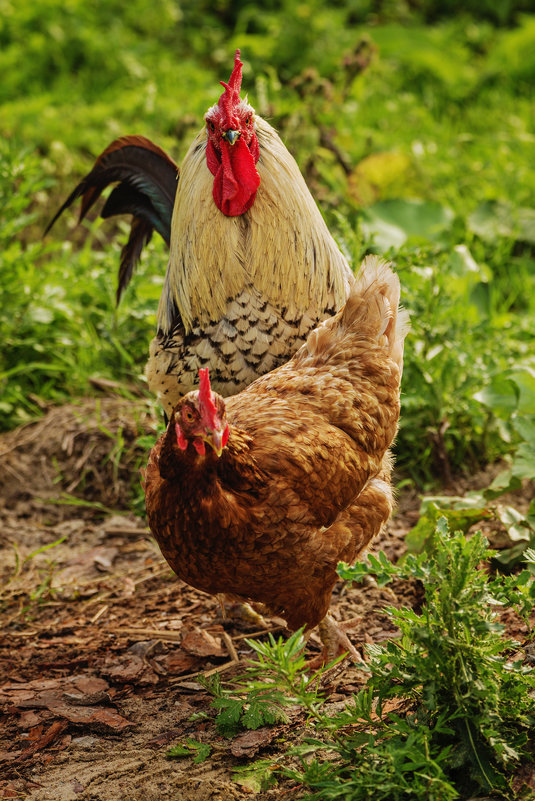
448, 707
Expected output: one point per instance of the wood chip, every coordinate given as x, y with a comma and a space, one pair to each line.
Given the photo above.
47, 737
201, 643
249, 743
99, 718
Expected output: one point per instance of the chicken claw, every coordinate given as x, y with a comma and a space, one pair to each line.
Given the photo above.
335, 640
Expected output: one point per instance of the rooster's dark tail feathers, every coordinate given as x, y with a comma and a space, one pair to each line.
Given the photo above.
146, 180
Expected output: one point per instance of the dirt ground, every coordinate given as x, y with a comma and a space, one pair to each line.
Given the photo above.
100, 643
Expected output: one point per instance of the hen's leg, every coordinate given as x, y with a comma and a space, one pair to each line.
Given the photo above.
335, 640
233, 609
250, 614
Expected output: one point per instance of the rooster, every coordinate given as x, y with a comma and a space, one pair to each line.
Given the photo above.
260, 496
252, 266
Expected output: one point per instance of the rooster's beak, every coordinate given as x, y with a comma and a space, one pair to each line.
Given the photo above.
231, 136
215, 440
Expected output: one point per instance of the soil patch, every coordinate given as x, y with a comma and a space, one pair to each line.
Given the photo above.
100, 642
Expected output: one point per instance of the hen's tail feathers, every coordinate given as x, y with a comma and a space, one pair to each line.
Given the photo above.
146, 180
373, 309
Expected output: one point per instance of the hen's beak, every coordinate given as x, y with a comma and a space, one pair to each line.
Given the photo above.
231, 136
215, 440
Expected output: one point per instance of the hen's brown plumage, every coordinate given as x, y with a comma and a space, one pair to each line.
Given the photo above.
304, 480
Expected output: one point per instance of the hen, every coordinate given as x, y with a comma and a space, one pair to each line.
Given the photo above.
252, 266
260, 496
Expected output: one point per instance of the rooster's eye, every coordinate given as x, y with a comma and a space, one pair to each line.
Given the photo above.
248, 121
211, 126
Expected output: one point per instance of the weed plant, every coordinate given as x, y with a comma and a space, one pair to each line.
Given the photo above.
448, 708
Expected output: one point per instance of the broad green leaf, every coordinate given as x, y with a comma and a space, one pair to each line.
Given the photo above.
526, 428
515, 522
510, 557
501, 396
393, 222
524, 462
257, 777
458, 519
524, 378
469, 501
464, 272
504, 482
493, 219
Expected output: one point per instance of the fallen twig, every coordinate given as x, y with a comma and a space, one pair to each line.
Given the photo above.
165, 636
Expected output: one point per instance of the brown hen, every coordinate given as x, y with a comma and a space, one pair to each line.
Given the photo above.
260, 496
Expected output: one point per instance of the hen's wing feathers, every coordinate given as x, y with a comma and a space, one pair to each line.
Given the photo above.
313, 469
322, 423
147, 186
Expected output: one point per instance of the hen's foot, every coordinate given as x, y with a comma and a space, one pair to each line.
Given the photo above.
244, 611
335, 640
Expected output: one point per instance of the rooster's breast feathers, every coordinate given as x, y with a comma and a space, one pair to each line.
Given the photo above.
281, 245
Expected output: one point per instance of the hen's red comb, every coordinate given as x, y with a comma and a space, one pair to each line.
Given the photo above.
231, 95
205, 398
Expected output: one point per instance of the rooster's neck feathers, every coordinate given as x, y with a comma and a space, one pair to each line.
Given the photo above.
281, 245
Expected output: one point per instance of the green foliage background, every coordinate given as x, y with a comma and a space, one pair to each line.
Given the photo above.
412, 122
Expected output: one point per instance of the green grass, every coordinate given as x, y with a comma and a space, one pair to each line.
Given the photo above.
379, 108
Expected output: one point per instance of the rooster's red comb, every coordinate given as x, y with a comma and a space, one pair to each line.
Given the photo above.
206, 398
231, 95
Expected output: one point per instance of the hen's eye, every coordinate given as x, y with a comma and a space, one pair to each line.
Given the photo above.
188, 416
